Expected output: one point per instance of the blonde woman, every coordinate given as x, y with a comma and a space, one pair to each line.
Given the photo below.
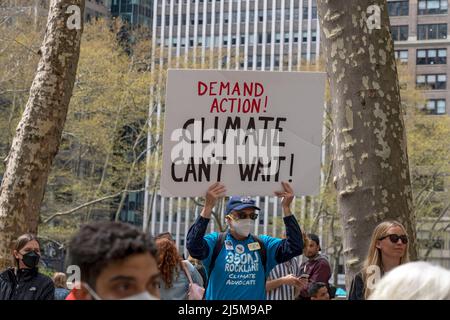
388, 249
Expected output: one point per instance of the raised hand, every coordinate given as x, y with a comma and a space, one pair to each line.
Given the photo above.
288, 195
214, 192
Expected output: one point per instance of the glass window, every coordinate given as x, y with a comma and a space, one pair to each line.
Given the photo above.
399, 33
304, 36
314, 12
440, 107
436, 106
432, 81
421, 53
431, 104
398, 8
420, 79
432, 31
401, 55
432, 7
277, 38
432, 56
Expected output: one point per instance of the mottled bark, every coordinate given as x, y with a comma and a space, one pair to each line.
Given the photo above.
38, 134
371, 172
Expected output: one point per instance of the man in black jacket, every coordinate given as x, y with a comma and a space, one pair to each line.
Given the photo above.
25, 282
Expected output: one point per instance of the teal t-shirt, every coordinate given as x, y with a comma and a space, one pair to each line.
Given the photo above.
238, 273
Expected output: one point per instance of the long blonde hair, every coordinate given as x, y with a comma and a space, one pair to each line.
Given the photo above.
374, 254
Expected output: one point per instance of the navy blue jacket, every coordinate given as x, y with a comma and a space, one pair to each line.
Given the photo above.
290, 247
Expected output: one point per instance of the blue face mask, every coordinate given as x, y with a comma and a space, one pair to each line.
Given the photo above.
140, 296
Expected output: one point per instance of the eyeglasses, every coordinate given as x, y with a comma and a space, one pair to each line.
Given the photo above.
395, 237
244, 215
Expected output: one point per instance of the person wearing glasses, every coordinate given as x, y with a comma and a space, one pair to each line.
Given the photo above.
388, 249
236, 261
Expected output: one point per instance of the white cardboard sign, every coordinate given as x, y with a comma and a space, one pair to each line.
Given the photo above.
250, 130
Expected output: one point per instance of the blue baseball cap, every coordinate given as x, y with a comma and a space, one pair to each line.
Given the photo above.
239, 203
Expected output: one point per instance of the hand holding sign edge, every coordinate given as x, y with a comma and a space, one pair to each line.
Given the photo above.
214, 192
288, 195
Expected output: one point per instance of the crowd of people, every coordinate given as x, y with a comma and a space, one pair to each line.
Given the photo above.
120, 262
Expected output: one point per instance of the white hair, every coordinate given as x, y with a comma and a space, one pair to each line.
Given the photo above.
414, 281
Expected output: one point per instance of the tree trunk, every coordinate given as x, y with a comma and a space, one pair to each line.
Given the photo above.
39, 132
371, 172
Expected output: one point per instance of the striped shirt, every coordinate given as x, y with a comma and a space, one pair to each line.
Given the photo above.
284, 292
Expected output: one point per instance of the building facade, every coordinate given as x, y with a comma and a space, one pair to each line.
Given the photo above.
135, 12
420, 31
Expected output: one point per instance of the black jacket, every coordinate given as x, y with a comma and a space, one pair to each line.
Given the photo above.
357, 288
28, 284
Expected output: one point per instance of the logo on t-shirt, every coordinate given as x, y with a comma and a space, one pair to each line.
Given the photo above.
240, 248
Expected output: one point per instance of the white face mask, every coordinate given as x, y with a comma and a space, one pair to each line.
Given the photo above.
140, 296
242, 226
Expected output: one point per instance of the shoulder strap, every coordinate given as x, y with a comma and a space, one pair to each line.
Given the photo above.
216, 251
262, 251
186, 271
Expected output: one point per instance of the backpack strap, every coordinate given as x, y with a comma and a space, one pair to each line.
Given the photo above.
262, 251
217, 248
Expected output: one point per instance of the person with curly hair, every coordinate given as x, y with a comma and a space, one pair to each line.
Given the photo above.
117, 261
174, 283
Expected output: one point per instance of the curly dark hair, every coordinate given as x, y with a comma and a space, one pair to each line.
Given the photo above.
98, 244
169, 260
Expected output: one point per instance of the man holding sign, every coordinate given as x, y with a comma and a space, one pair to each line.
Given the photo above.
238, 263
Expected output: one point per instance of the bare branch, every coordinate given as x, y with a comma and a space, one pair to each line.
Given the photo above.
87, 204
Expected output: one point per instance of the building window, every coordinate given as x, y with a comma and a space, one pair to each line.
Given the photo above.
313, 12
432, 7
398, 8
399, 33
286, 37
401, 55
277, 38
432, 56
435, 106
432, 81
432, 31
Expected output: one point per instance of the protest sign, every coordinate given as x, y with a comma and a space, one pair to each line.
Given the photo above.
250, 130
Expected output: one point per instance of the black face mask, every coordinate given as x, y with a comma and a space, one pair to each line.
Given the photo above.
31, 259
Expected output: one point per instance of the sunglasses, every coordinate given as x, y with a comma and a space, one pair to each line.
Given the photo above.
244, 215
395, 237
